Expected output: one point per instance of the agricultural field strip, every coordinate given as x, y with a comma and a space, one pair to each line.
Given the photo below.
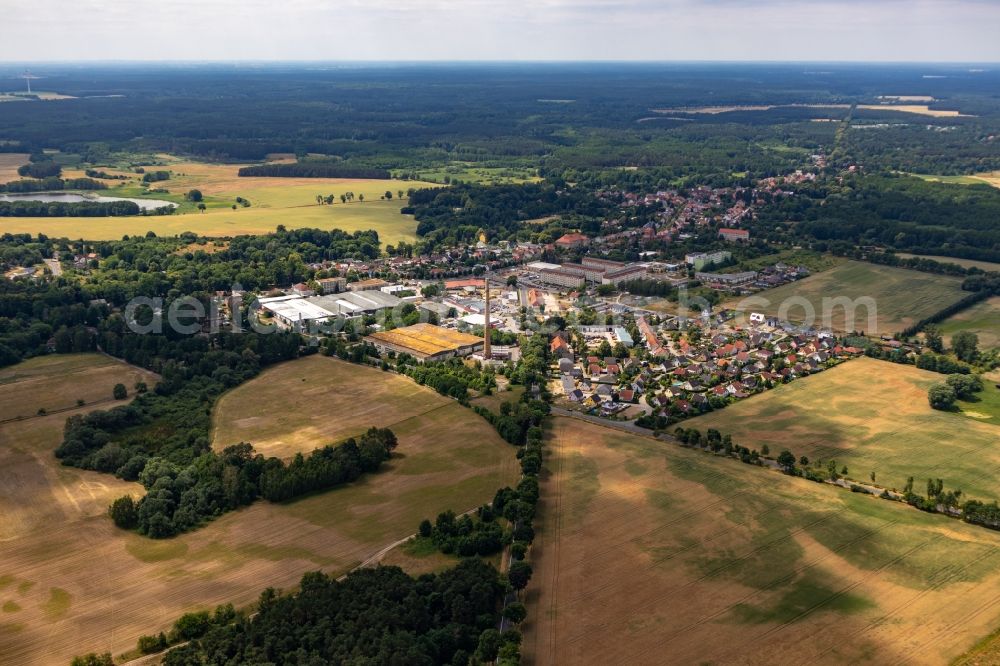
363, 428
57, 410
690, 514
904, 455
877, 622
875, 573
755, 551
982, 608
798, 570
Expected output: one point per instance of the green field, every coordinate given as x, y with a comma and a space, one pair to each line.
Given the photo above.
871, 416
988, 178
964, 263
953, 180
814, 261
983, 319
650, 553
901, 297
468, 172
985, 405
274, 201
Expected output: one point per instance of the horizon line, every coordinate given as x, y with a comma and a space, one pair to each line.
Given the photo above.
485, 61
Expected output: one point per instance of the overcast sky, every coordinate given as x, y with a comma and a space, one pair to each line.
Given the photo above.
898, 30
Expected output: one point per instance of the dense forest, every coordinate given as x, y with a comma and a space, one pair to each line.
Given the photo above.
29, 208
373, 616
313, 169
456, 214
558, 117
902, 213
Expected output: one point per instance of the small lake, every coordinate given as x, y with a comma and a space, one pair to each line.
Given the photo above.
68, 197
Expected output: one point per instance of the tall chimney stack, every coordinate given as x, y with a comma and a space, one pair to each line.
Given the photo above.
487, 354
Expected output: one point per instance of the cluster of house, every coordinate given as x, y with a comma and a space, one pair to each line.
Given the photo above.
685, 374
593, 382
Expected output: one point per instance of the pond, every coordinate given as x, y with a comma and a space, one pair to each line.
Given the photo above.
68, 197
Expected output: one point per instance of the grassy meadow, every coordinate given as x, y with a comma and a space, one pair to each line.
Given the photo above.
902, 297
965, 263
988, 177
983, 319
871, 416
469, 172
82, 585
649, 553
274, 201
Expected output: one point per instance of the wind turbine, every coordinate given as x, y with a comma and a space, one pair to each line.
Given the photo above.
27, 76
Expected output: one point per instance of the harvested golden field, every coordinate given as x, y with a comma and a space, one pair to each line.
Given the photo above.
871, 416
9, 162
27, 387
30, 472
652, 554
314, 401
82, 585
274, 201
920, 109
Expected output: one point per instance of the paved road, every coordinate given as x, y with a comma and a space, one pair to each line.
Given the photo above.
54, 266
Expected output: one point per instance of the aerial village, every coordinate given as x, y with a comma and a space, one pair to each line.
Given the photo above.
615, 354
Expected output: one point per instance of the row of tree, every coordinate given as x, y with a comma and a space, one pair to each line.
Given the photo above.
51, 184
312, 169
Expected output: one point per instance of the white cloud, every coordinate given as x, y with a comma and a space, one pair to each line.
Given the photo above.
959, 30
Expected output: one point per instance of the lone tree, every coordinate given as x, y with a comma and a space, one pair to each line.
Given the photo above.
941, 396
932, 336
786, 460
124, 513
194, 195
120, 392
965, 344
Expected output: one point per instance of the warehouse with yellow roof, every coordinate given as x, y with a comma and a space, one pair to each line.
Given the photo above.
426, 342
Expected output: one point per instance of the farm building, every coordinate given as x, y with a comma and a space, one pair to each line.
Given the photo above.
426, 342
